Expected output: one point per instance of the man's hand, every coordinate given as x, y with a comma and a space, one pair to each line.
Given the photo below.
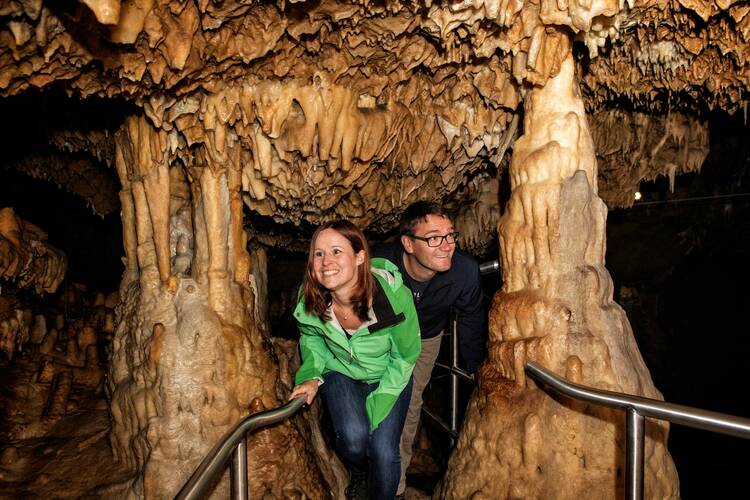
309, 389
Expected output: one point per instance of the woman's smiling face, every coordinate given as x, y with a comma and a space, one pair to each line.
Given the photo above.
334, 261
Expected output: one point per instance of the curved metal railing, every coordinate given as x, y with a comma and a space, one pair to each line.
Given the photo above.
637, 408
455, 372
233, 444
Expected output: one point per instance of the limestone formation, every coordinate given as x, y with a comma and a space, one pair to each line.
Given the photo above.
188, 359
14, 328
645, 147
248, 115
25, 256
340, 92
555, 308
55, 421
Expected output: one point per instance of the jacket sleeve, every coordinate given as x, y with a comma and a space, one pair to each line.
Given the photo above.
405, 348
472, 326
315, 354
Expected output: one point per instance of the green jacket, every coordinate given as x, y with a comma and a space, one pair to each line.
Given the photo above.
384, 352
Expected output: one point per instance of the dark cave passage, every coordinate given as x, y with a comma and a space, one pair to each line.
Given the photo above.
92, 243
681, 266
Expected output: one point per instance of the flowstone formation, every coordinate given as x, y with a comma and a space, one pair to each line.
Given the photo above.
188, 359
555, 308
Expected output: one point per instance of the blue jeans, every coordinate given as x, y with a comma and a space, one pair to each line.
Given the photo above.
378, 453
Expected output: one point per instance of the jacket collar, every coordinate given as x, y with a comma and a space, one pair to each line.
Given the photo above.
381, 306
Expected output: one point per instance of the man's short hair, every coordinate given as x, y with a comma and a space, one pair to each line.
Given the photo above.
417, 212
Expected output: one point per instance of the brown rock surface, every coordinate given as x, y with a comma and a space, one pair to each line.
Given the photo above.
54, 419
187, 357
555, 308
25, 256
368, 96
299, 112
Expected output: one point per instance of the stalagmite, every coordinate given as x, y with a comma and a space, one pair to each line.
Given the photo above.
556, 309
38, 329
187, 358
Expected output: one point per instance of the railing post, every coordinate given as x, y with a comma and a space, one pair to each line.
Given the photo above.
635, 430
454, 379
238, 471
637, 408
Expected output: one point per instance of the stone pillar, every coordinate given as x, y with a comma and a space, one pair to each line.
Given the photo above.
188, 360
555, 308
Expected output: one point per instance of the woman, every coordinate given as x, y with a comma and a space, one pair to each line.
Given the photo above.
359, 339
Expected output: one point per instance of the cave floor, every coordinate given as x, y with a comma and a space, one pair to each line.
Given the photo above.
70, 457
41, 457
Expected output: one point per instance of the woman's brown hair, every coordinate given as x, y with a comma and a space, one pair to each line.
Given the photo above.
317, 298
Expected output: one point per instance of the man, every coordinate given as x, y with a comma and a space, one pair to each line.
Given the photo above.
440, 277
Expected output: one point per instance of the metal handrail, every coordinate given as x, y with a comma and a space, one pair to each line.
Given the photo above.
233, 443
454, 370
638, 407
491, 266
456, 373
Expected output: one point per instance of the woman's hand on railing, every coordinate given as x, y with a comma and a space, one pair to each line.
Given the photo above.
309, 389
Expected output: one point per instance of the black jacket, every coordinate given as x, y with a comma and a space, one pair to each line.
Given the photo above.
459, 288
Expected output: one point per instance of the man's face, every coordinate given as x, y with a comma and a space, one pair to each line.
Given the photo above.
437, 259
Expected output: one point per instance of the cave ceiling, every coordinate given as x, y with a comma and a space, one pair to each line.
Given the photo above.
357, 109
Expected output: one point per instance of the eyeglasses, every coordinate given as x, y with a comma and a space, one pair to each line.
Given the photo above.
436, 241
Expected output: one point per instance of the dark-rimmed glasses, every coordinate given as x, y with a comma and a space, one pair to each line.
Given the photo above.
436, 241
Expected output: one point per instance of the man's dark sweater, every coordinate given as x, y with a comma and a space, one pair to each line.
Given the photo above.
460, 288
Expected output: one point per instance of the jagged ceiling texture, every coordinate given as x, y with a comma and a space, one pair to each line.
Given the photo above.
357, 109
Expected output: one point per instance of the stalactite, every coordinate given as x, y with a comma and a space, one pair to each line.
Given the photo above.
216, 215
238, 239
146, 251
156, 186
25, 256
127, 207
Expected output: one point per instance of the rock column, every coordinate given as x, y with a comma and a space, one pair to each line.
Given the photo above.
188, 361
556, 309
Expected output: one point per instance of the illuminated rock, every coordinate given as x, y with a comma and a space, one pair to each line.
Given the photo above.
26, 258
301, 112
555, 308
